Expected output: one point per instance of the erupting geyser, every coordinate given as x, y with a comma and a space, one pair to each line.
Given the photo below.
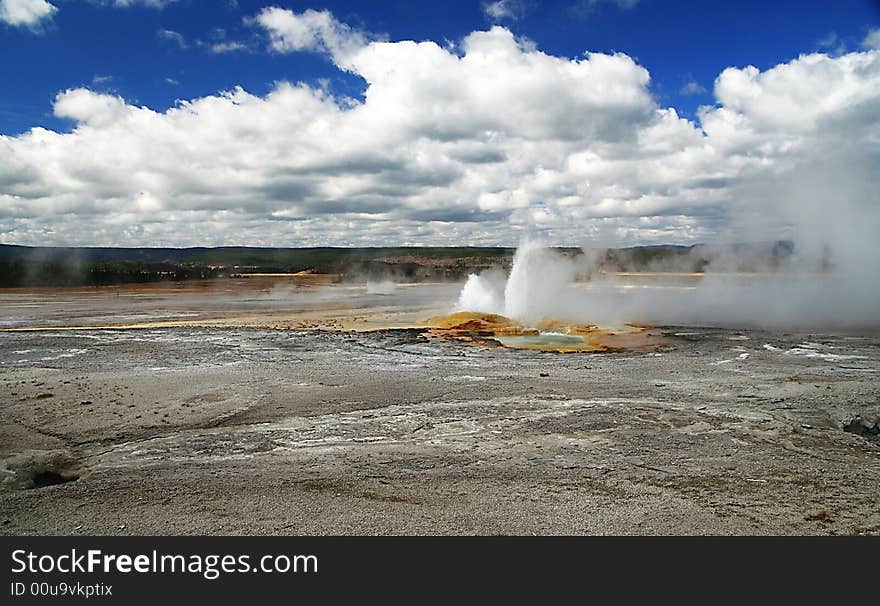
534, 290
535, 307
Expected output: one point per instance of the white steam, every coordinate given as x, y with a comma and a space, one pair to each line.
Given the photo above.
381, 287
539, 280
545, 284
483, 293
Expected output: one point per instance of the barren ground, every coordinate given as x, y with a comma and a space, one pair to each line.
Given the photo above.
230, 427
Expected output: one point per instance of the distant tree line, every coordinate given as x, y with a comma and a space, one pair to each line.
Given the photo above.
18, 273
22, 266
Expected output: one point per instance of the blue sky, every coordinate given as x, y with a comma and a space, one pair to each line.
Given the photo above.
121, 50
223, 122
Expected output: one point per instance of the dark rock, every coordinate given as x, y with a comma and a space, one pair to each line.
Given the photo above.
862, 427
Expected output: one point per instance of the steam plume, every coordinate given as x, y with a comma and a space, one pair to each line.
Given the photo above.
544, 284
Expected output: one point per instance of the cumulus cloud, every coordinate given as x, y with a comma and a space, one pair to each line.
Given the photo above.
799, 95
479, 145
88, 108
311, 30
26, 13
872, 39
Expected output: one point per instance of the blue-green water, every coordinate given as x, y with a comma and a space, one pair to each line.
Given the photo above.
547, 340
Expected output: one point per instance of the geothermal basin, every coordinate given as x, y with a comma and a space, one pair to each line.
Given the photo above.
275, 407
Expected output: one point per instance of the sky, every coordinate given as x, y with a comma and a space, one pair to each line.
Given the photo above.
224, 122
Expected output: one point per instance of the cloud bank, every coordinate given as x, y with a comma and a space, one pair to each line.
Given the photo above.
478, 145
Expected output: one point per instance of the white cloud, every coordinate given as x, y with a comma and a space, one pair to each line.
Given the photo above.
475, 146
173, 36
872, 40
127, 3
88, 108
229, 46
218, 42
692, 87
33, 13
502, 10
584, 7
311, 30
828, 40
26, 13
797, 96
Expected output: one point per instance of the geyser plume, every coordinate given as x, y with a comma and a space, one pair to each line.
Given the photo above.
538, 287
537, 282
